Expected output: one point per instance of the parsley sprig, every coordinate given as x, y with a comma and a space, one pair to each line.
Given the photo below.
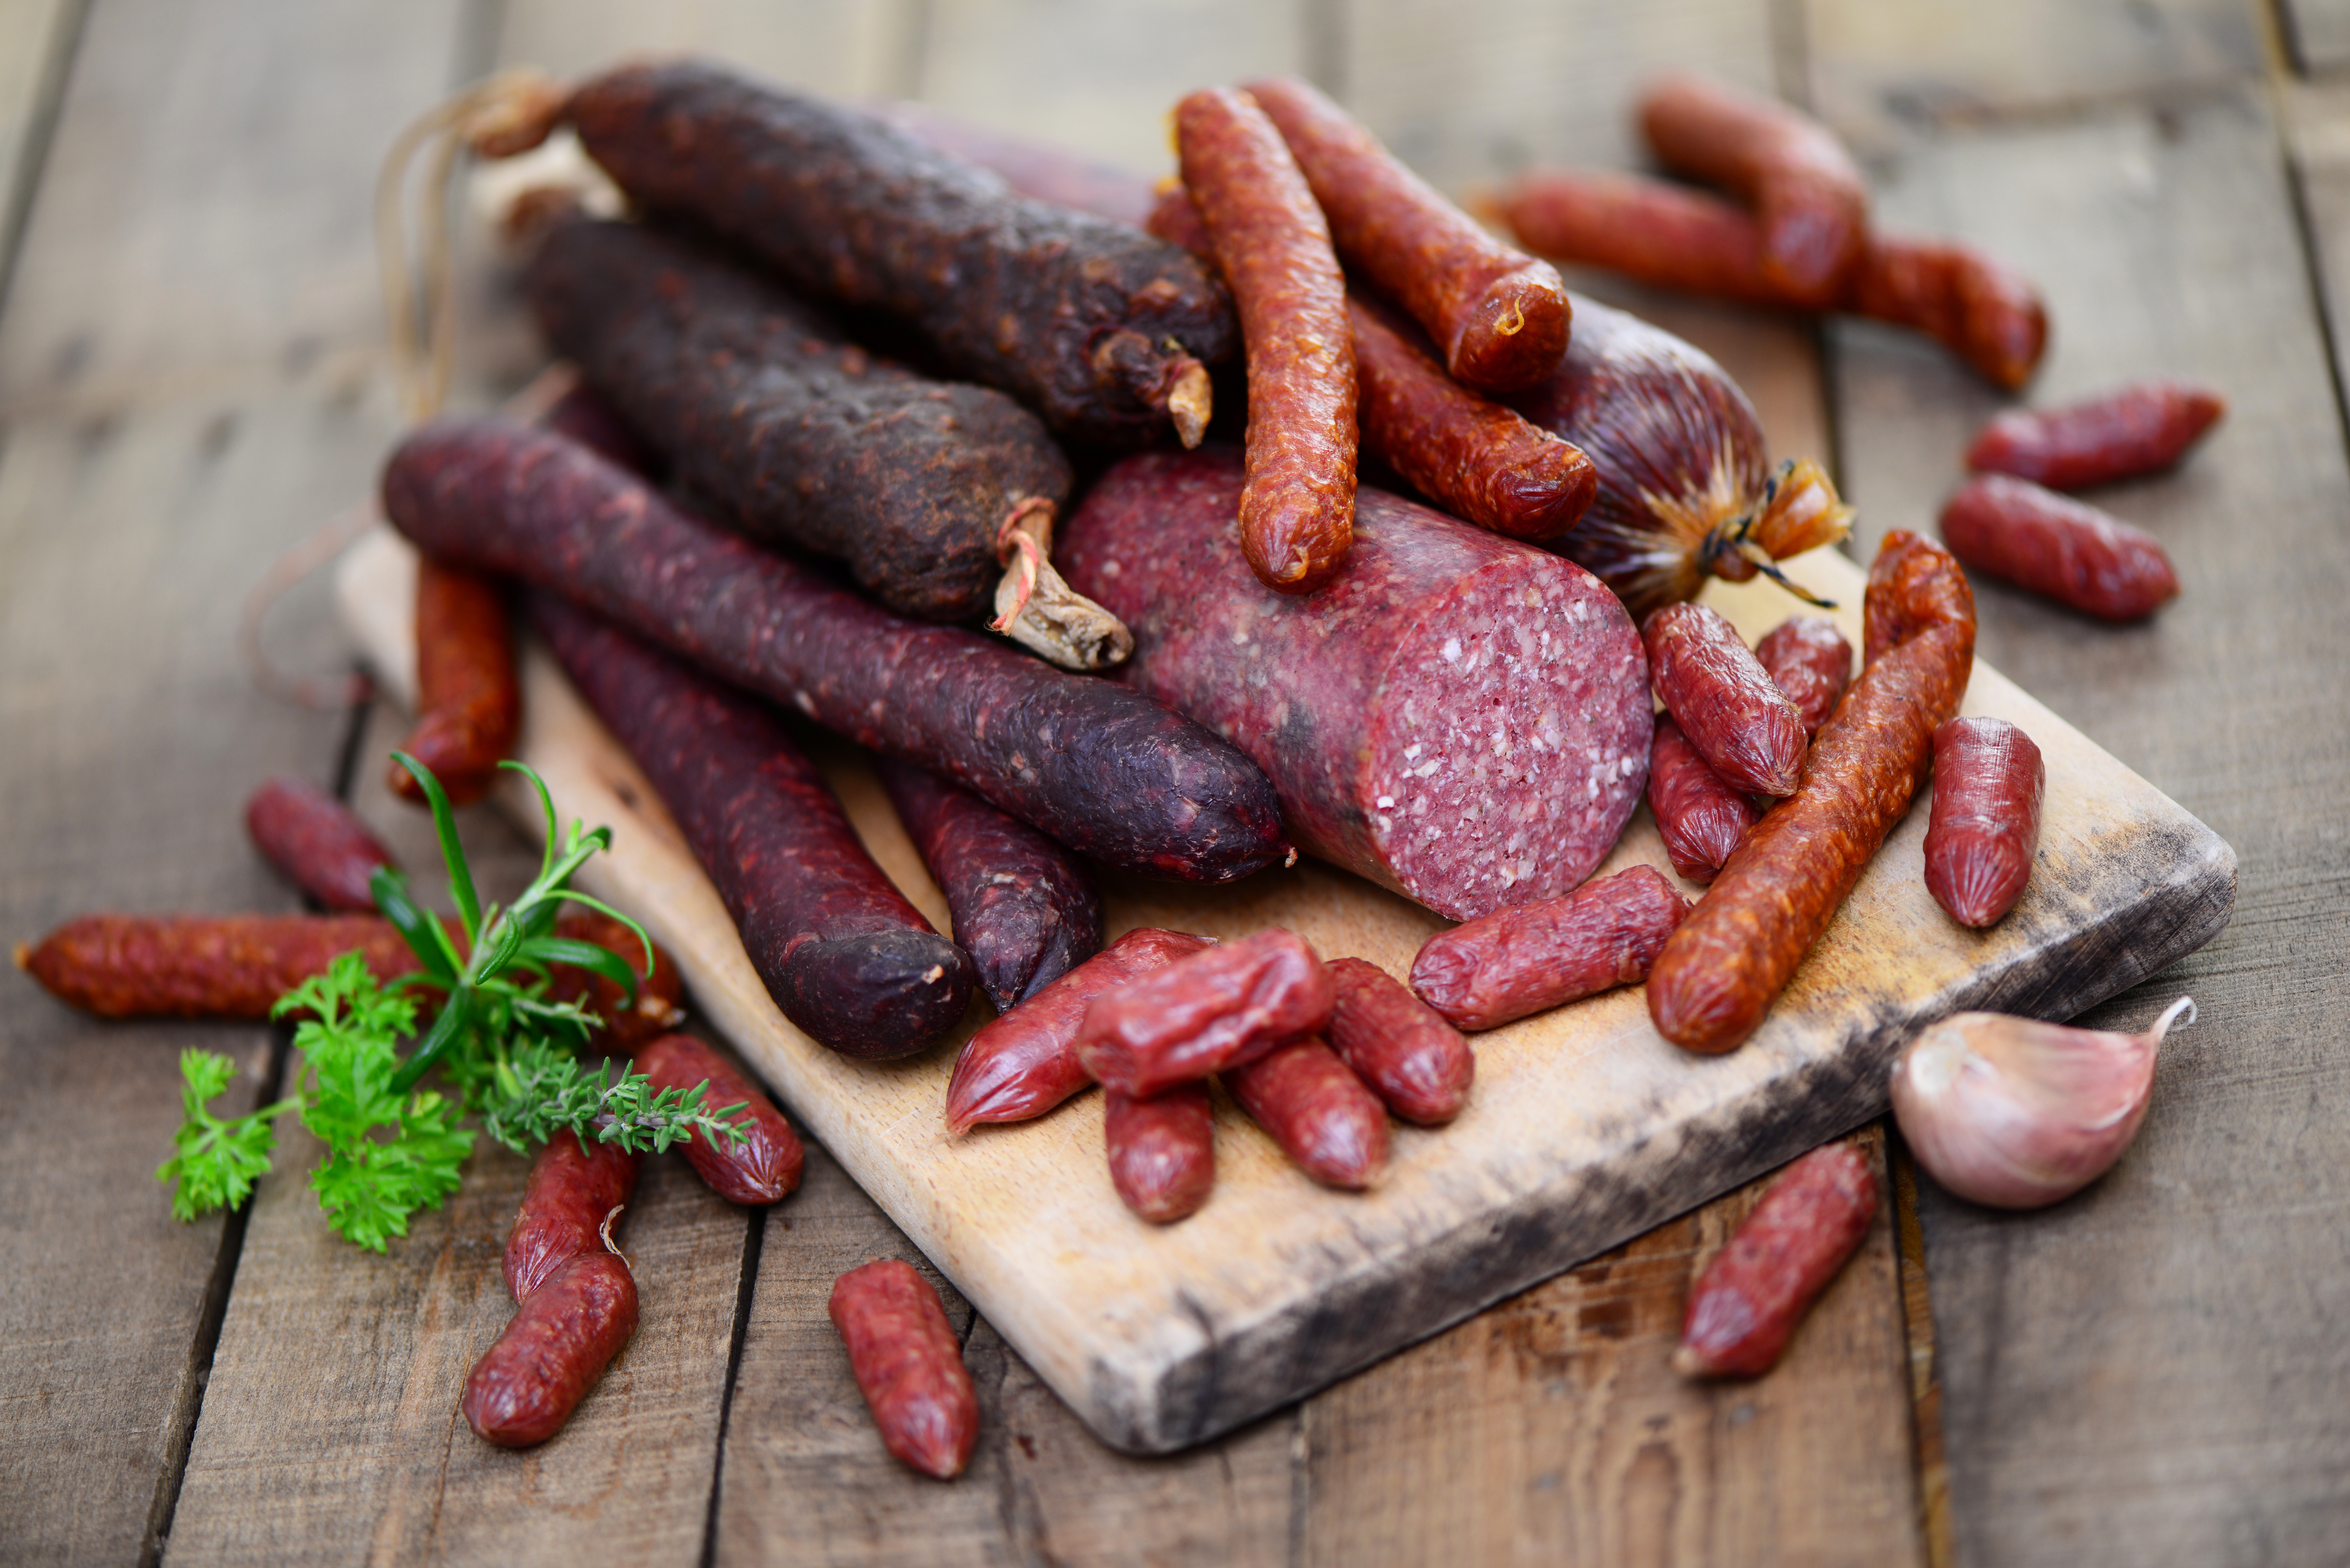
508, 1051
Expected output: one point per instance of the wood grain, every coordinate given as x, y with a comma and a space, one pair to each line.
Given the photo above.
36, 41
2317, 32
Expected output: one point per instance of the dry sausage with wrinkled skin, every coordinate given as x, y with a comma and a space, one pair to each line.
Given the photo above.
764, 1165
1162, 1150
1534, 957
1810, 198
1315, 1107
1985, 823
1500, 315
1206, 1014
1033, 169
316, 842
2142, 428
2058, 547
1103, 769
468, 697
846, 957
572, 1190
1808, 659
1982, 310
659, 1006
1297, 507
1728, 708
908, 1364
563, 1336
1025, 1063
1719, 972
1744, 1307
582, 415
1025, 907
1402, 1049
1701, 818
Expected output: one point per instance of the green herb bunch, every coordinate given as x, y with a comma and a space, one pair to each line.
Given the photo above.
508, 1054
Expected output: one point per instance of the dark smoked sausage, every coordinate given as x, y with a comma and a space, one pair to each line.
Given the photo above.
316, 842
1746, 1305
1534, 957
1808, 659
1162, 1150
1315, 1108
1024, 909
1719, 972
1985, 824
1048, 173
907, 1365
1458, 716
468, 697
572, 1190
1103, 769
1701, 818
1097, 326
2055, 546
763, 1166
1206, 1014
563, 1336
1297, 508
1500, 315
1400, 1048
1727, 707
2139, 429
1024, 1063
842, 952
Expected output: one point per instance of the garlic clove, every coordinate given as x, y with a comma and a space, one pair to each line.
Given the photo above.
2015, 1113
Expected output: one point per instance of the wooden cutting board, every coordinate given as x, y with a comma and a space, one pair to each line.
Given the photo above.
1584, 1128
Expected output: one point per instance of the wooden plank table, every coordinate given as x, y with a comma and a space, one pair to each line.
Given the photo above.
191, 379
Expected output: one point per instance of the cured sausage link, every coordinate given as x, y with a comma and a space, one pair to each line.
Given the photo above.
1162, 1150
1727, 706
468, 697
2054, 546
1746, 1304
1297, 508
562, 1336
907, 1365
572, 1190
1987, 781
1719, 972
1701, 818
2142, 428
1501, 317
764, 1165
845, 956
1400, 1047
660, 992
1103, 769
1025, 1063
1534, 957
1317, 1110
1206, 1014
1808, 659
1097, 326
1024, 909
316, 842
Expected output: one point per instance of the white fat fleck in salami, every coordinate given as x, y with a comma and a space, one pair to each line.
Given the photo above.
1458, 716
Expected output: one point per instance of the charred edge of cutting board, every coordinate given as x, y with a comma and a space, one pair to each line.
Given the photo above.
2174, 886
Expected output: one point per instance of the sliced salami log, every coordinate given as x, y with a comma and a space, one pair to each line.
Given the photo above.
1458, 716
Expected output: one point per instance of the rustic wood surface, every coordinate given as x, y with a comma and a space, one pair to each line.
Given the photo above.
191, 379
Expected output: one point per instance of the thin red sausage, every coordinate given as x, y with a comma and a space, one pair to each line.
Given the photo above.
1317, 1110
2060, 548
1719, 972
1987, 781
1297, 508
764, 1166
1808, 659
1025, 1063
909, 1365
1701, 818
1532, 956
468, 698
660, 992
1746, 1304
1809, 196
1206, 1014
1162, 1150
1727, 707
316, 842
572, 1190
1400, 1047
562, 1338
2142, 428
1982, 310
1501, 317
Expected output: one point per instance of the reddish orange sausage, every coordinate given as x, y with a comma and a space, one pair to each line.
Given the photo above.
203, 966
1206, 1014
572, 1190
1531, 957
468, 699
2142, 428
1808, 194
1297, 507
316, 842
1701, 818
660, 991
1726, 705
1987, 781
1317, 1110
909, 1365
1162, 1150
1400, 1047
1745, 1306
563, 1336
1807, 657
2064, 549
1983, 311
762, 1169
1501, 317
1719, 972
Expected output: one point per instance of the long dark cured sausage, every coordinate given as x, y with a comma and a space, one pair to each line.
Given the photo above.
1103, 769
804, 439
843, 953
1099, 328
1024, 909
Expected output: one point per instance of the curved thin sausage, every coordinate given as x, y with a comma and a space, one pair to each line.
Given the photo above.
1808, 659
1206, 1014
563, 1336
1727, 706
1401, 1048
1985, 824
1530, 958
763, 1166
1701, 818
2054, 546
2142, 428
1162, 1150
316, 842
468, 697
909, 1365
1317, 1110
572, 1190
1744, 1308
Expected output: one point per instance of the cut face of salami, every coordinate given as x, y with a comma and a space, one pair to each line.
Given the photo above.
1457, 716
